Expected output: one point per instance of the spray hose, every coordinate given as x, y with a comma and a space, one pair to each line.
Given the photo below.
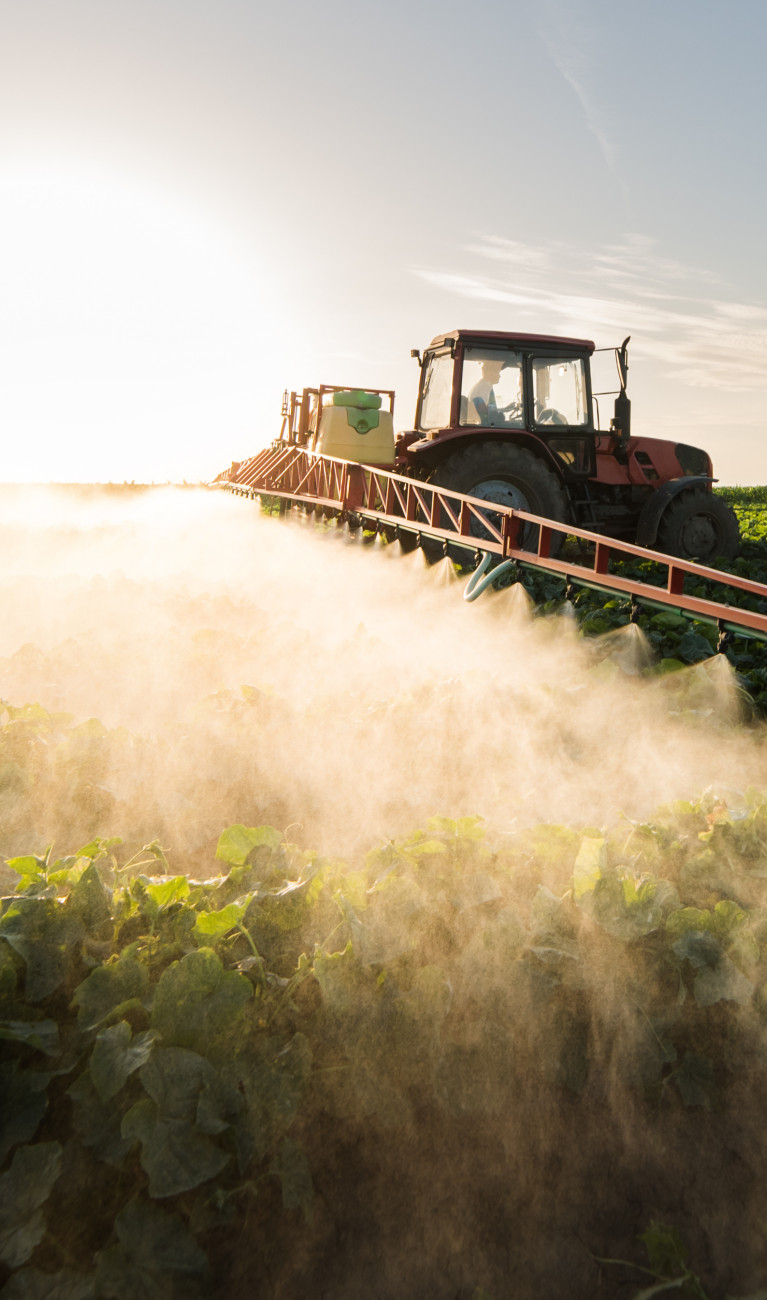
480, 579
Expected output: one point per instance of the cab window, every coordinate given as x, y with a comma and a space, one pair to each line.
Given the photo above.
491, 387
437, 391
559, 391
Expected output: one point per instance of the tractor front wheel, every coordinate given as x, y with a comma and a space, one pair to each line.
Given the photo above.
697, 525
511, 476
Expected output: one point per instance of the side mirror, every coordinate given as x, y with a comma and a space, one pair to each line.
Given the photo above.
415, 353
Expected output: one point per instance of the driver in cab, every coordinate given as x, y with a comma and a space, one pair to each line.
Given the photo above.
482, 406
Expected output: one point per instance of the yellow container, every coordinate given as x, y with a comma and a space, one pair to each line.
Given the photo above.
341, 434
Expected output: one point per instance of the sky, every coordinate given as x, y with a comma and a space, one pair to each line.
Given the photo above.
204, 202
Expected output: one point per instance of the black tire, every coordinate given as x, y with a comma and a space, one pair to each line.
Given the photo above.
510, 475
697, 525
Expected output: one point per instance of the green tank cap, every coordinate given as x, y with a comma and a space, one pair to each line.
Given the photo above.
358, 398
362, 421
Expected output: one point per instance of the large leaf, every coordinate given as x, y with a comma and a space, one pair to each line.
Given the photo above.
163, 893
43, 932
176, 1080
214, 925
24, 1189
236, 843
174, 1153
197, 1002
154, 1251
97, 1122
722, 983
108, 987
116, 1054
273, 1075
188, 1102
590, 862
665, 1249
43, 1035
23, 1102
90, 900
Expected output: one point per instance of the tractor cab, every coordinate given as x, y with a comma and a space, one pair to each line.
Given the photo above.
510, 387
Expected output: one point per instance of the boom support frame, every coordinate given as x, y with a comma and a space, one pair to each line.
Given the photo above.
362, 494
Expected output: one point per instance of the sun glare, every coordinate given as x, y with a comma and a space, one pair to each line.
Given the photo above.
135, 332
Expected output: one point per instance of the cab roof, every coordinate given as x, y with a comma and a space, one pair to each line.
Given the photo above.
552, 341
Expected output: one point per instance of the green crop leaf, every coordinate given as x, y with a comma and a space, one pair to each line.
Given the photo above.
174, 1153
99, 848
699, 948
668, 622
65, 874
272, 1074
667, 666
116, 1054
214, 925
33, 1284
43, 1035
693, 647
423, 848
549, 917
155, 1251
196, 1001
342, 979
590, 862
30, 868
8, 980
97, 1122
462, 828
24, 1189
188, 1101
722, 983
23, 1102
89, 899
43, 933
165, 892
236, 843
627, 910
291, 1166
665, 1250
175, 1077
690, 918
108, 987
727, 916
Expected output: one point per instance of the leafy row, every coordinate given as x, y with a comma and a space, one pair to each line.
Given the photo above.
185, 1048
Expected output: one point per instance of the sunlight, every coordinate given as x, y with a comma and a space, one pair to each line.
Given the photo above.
135, 333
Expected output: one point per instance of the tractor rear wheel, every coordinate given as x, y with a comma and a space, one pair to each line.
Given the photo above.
510, 475
697, 525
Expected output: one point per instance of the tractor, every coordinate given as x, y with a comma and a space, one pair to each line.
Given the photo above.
509, 418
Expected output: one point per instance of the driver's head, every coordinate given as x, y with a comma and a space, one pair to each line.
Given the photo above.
491, 369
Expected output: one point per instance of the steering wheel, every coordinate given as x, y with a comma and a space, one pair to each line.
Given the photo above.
550, 416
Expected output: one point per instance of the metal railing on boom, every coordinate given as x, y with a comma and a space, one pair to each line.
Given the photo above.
362, 494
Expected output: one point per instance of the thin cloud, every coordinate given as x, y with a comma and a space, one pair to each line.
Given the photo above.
709, 341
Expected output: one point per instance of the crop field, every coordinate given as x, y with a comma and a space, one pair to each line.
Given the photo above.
356, 941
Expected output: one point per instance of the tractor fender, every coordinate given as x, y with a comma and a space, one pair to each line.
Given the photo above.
652, 511
431, 452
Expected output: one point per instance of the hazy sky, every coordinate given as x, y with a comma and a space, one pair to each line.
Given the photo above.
203, 202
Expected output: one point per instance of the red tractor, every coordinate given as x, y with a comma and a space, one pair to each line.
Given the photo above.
510, 418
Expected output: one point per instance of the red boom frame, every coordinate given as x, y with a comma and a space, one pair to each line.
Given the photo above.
390, 500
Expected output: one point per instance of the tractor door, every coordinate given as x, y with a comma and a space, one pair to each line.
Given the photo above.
560, 411
435, 398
